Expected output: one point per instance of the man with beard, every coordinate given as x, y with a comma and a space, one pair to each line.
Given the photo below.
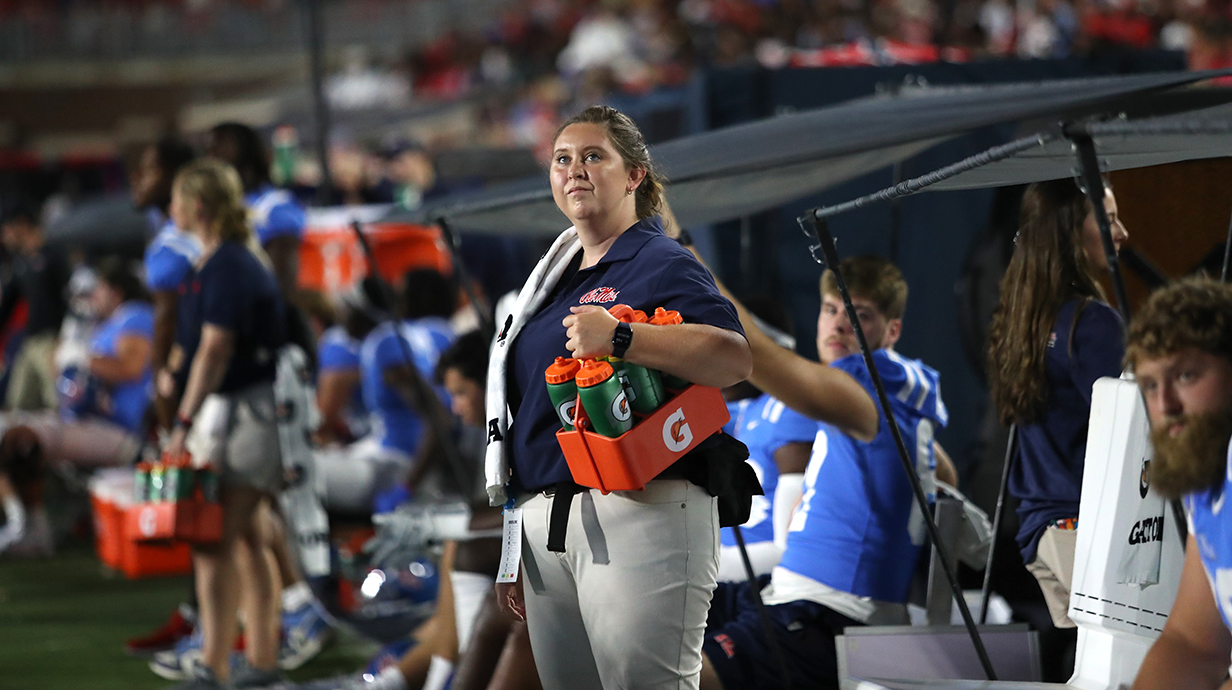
1180, 348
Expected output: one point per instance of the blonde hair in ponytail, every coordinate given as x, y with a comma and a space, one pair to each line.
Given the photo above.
216, 186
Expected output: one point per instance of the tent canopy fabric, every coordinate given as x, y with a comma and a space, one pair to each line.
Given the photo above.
1119, 145
748, 168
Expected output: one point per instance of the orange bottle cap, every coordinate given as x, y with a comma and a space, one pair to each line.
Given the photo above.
627, 314
562, 370
666, 317
593, 373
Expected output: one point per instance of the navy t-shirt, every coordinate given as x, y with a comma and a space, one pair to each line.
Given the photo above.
1047, 474
643, 269
235, 291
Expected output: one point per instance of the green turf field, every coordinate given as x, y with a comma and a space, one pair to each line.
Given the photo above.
63, 622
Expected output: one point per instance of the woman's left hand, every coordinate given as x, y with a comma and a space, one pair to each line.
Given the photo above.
589, 330
175, 444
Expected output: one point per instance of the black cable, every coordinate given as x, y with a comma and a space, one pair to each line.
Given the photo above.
425, 398
453, 242
986, 589
831, 254
772, 641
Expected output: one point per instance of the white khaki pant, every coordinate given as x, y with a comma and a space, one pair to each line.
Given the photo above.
1053, 567
625, 605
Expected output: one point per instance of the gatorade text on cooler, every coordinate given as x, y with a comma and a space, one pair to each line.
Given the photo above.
603, 398
643, 386
669, 317
562, 389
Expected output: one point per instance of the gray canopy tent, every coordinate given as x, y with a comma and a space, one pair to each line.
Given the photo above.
1078, 148
740, 170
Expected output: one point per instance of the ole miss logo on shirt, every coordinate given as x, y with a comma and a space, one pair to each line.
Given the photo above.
601, 295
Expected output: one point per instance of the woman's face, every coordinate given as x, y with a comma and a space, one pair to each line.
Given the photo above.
105, 299
1092, 244
589, 178
185, 210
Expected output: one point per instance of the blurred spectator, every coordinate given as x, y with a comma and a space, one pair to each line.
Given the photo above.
410, 173
40, 276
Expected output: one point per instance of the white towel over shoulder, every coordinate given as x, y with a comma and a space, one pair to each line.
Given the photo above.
538, 286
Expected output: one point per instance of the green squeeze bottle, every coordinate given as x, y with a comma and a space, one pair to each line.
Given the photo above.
562, 389
645, 388
668, 317
603, 398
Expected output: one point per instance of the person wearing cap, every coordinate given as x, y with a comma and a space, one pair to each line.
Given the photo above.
624, 604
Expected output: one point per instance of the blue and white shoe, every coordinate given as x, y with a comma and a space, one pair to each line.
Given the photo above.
179, 663
305, 632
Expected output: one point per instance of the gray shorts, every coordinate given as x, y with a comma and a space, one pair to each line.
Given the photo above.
252, 454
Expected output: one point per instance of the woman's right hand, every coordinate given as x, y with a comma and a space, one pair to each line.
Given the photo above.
511, 600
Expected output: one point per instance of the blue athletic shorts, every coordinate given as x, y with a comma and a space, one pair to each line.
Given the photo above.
736, 640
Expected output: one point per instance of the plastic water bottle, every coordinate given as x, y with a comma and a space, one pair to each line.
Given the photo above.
562, 388
603, 397
643, 386
669, 317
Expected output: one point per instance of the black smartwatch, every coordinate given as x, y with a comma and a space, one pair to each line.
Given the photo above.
621, 339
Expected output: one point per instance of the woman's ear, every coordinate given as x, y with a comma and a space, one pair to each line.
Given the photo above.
636, 175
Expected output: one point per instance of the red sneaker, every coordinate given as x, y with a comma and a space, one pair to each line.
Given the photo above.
176, 627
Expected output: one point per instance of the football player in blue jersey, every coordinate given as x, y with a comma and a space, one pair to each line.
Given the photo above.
854, 540
394, 454
780, 441
1180, 349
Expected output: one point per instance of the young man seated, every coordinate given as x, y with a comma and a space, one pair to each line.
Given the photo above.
1180, 350
854, 540
102, 407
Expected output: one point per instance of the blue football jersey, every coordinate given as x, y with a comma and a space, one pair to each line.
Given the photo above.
274, 213
765, 424
395, 424
1212, 529
169, 257
858, 529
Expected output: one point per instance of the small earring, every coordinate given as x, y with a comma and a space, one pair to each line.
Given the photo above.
628, 192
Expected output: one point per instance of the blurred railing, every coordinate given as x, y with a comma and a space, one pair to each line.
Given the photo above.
75, 29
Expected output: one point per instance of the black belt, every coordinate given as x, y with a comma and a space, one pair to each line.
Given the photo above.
558, 520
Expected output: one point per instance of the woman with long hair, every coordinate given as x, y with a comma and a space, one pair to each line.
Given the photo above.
614, 587
1052, 337
229, 330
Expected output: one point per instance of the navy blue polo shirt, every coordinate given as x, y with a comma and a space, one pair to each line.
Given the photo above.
235, 291
644, 269
1047, 476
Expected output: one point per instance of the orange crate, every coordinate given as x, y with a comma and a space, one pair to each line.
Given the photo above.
629, 461
153, 558
195, 521
108, 531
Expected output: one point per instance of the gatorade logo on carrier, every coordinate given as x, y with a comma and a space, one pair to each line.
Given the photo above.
676, 432
620, 407
566, 409
1144, 479
147, 521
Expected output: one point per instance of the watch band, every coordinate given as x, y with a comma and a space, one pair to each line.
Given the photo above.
622, 337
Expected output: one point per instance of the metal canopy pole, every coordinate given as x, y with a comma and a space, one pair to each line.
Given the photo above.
453, 242
1227, 255
831, 256
986, 589
1093, 185
320, 107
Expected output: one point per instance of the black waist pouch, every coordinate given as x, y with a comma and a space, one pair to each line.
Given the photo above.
718, 466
